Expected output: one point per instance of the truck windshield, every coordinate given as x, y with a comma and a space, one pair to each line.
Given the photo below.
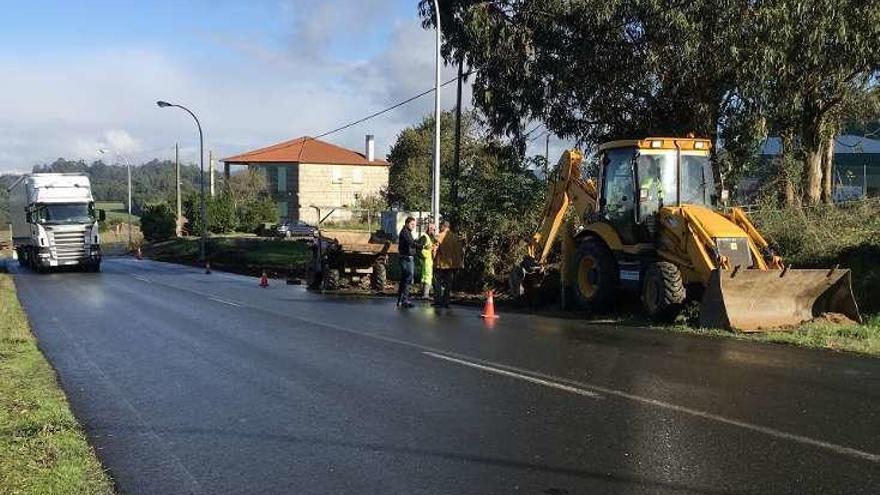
65, 213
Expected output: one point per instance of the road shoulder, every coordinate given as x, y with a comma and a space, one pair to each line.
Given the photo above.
42, 446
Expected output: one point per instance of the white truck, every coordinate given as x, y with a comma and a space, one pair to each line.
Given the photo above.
54, 221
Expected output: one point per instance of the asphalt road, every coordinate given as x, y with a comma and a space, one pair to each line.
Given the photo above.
195, 383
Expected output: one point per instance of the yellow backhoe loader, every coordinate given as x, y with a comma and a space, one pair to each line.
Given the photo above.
648, 227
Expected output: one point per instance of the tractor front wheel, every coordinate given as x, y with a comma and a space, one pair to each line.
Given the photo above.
663, 292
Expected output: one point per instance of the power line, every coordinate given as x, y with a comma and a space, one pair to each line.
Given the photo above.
533, 130
388, 109
538, 136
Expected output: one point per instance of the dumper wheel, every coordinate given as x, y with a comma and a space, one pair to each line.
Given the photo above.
331, 278
595, 275
379, 276
663, 292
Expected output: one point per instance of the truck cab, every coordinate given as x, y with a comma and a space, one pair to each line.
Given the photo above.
55, 222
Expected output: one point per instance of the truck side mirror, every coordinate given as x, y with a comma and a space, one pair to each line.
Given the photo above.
102, 215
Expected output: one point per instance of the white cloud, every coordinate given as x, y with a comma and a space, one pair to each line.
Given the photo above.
253, 93
121, 141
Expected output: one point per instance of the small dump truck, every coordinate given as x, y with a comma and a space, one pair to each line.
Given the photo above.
341, 257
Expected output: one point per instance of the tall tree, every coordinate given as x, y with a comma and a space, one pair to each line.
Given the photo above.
500, 195
594, 69
409, 181
805, 63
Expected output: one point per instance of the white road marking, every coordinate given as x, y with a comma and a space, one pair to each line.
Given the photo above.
519, 376
582, 390
558, 382
217, 299
142, 279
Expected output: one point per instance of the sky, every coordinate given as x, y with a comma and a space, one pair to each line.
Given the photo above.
84, 75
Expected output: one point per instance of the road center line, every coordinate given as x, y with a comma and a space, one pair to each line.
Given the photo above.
519, 376
840, 449
225, 301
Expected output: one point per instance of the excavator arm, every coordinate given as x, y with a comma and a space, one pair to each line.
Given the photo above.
565, 189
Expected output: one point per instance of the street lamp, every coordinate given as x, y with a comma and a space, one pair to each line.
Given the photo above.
127, 166
435, 186
165, 104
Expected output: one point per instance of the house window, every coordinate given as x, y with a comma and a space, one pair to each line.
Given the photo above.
282, 209
282, 179
336, 175
357, 176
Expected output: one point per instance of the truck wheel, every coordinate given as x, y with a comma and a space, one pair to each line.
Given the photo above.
22, 257
313, 278
595, 275
331, 279
663, 292
379, 276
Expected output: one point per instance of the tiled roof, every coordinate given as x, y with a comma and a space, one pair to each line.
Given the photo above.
304, 150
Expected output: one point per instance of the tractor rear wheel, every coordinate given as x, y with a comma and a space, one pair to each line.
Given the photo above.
595, 275
663, 292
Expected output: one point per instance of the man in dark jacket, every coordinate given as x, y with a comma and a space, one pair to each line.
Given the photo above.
406, 249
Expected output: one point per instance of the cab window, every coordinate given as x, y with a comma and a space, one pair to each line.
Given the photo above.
617, 189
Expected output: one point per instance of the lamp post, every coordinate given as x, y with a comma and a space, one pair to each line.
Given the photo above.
165, 104
128, 167
435, 186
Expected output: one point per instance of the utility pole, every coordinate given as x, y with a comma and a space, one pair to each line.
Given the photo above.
457, 157
547, 153
178, 224
435, 189
211, 169
130, 245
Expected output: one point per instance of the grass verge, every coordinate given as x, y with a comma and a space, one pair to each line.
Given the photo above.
240, 254
42, 447
863, 339
116, 211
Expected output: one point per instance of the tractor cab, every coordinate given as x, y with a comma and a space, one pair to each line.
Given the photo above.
638, 177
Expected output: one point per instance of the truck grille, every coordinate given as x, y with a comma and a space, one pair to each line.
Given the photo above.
69, 246
736, 249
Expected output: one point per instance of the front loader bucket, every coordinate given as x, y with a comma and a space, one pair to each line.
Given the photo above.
759, 300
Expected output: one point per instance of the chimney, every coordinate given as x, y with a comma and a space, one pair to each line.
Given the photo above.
370, 151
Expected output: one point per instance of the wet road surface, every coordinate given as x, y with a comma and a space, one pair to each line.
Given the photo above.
195, 383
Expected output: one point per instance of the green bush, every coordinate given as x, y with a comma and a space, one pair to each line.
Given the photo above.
825, 236
157, 221
252, 214
220, 211
221, 214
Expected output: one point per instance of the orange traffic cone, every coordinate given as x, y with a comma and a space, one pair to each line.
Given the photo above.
264, 280
138, 254
489, 308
